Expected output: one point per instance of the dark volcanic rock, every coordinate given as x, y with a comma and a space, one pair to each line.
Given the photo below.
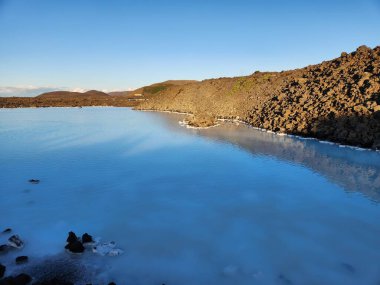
72, 237
21, 259
15, 241
34, 181
75, 247
4, 248
54, 281
2, 270
21, 279
86, 238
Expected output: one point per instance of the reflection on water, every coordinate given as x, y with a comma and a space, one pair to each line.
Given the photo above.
353, 169
226, 205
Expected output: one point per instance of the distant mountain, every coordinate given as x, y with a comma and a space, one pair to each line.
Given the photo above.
72, 95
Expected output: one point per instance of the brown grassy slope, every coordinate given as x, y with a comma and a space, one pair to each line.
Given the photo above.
152, 89
337, 100
71, 95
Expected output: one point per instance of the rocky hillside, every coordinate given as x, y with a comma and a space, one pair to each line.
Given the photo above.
337, 100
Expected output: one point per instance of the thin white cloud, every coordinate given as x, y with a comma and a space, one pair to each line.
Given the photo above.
30, 91
81, 90
24, 91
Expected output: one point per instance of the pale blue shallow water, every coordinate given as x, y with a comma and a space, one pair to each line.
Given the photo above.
226, 205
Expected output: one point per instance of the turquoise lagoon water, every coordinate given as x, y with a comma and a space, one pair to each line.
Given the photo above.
225, 205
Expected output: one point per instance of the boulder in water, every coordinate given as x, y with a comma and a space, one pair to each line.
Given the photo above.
72, 237
34, 181
86, 238
21, 259
15, 241
7, 231
75, 247
4, 248
2, 270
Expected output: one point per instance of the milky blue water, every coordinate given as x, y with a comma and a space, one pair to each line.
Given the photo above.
226, 205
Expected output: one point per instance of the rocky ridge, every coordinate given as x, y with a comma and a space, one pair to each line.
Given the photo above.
336, 100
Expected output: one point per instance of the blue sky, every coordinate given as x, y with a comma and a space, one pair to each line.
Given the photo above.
117, 45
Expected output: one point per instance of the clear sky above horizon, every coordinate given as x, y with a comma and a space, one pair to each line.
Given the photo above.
118, 45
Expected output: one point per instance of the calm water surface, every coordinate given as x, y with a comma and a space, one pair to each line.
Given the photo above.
226, 205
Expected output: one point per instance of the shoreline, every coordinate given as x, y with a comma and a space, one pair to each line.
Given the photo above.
200, 128
260, 129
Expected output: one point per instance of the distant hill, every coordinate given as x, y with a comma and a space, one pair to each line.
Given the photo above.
67, 99
72, 95
152, 89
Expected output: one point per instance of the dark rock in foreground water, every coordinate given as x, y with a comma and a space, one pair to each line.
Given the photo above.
74, 244
72, 237
7, 231
86, 238
2, 270
21, 279
75, 247
15, 241
21, 259
34, 181
4, 248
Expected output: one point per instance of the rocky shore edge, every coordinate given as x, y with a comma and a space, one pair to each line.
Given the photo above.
66, 268
220, 120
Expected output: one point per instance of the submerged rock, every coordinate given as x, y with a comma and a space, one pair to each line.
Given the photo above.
7, 231
4, 248
348, 267
284, 279
21, 259
15, 241
34, 181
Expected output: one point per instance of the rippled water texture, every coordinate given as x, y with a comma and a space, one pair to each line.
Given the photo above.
226, 205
